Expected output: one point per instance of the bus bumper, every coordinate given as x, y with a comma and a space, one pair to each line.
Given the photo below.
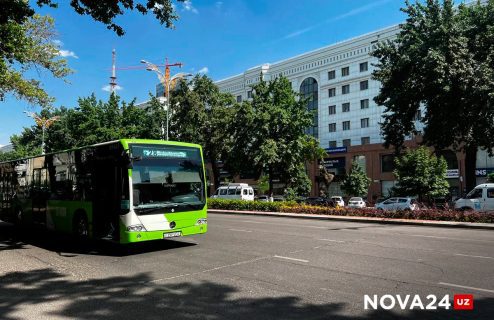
139, 236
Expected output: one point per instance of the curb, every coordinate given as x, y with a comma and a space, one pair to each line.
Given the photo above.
425, 223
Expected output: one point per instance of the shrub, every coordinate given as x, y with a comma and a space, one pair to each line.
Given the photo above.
293, 207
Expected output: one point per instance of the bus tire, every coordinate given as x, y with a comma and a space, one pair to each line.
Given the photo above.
80, 226
464, 209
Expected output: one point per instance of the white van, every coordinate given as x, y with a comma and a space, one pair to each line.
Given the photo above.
238, 191
479, 199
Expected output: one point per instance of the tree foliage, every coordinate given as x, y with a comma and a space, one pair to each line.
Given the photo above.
356, 183
442, 59
92, 121
269, 135
26, 46
202, 114
420, 173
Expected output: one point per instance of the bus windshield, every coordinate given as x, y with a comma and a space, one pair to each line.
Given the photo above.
167, 179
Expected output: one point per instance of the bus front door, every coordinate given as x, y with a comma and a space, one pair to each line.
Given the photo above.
40, 195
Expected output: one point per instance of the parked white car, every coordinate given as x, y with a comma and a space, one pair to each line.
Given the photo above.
356, 202
479, 199
338, 201
398, 204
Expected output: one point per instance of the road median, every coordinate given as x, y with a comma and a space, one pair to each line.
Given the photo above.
432, 223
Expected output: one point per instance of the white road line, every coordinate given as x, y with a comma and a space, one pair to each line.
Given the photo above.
293, 259
209, 270
240, 230
465, 287
331, 240
470, 256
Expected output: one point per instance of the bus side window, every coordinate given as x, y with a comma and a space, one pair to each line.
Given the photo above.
251, 192
238, 191
223, 192
245, 192
231, 191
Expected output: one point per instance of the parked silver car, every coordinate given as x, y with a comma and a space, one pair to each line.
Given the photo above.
398, 204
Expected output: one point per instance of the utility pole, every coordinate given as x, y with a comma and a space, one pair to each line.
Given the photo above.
113, 78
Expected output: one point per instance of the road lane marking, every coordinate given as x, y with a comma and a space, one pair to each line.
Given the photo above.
293, 259
465, 287
331, 240
209, 270
240, 230
470, 256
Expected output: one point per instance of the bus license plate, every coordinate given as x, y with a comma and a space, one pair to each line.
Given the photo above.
172, 234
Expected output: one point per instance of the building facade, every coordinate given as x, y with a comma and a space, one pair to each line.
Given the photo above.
346, 122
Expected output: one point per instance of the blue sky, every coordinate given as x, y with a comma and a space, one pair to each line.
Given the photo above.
220, 38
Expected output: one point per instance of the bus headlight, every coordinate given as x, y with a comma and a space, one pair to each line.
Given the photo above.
137, 227
202, 221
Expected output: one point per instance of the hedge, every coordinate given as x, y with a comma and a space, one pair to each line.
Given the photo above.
293, 207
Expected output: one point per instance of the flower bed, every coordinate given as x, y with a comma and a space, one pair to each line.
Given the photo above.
293, 207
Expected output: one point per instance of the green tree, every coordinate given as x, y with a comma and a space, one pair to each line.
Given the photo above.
442, 59
420, 173
27, 45
269, 134
490, 177
92, 121
202, 114
104, 11
356, 183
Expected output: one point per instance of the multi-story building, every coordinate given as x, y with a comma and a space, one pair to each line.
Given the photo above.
346, 122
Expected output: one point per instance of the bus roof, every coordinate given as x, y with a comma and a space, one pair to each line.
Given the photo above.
125, 143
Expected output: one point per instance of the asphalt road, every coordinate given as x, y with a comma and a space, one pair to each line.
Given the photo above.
248, 267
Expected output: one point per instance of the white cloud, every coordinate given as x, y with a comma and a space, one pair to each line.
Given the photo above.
350, 13
187, 6
67, 53
218, 4
203, 70
58, 43
107, 88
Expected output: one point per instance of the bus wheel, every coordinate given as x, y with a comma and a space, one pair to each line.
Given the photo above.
81, 226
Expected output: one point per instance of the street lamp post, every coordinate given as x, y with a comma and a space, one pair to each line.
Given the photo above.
166, 81
43, 123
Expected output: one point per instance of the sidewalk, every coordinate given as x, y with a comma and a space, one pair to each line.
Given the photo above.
430, 223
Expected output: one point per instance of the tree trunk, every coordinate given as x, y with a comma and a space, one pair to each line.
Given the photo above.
270, 183
216, 174
470, 166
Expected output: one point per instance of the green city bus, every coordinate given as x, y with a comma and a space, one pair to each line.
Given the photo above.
127, 190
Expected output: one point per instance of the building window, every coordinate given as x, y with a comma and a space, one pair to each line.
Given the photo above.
249, 94
365, 140
387, 163
346, 125
364, 85
239, 99
332, 127
345, 89
332, 144
418, 115
364, 104
332, 109
364, 66
345, 71
331, 92
364, 123
331, 75
345, 107
347, 142
309, 89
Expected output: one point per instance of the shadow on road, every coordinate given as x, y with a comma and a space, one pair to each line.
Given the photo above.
133, 298
16, 238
